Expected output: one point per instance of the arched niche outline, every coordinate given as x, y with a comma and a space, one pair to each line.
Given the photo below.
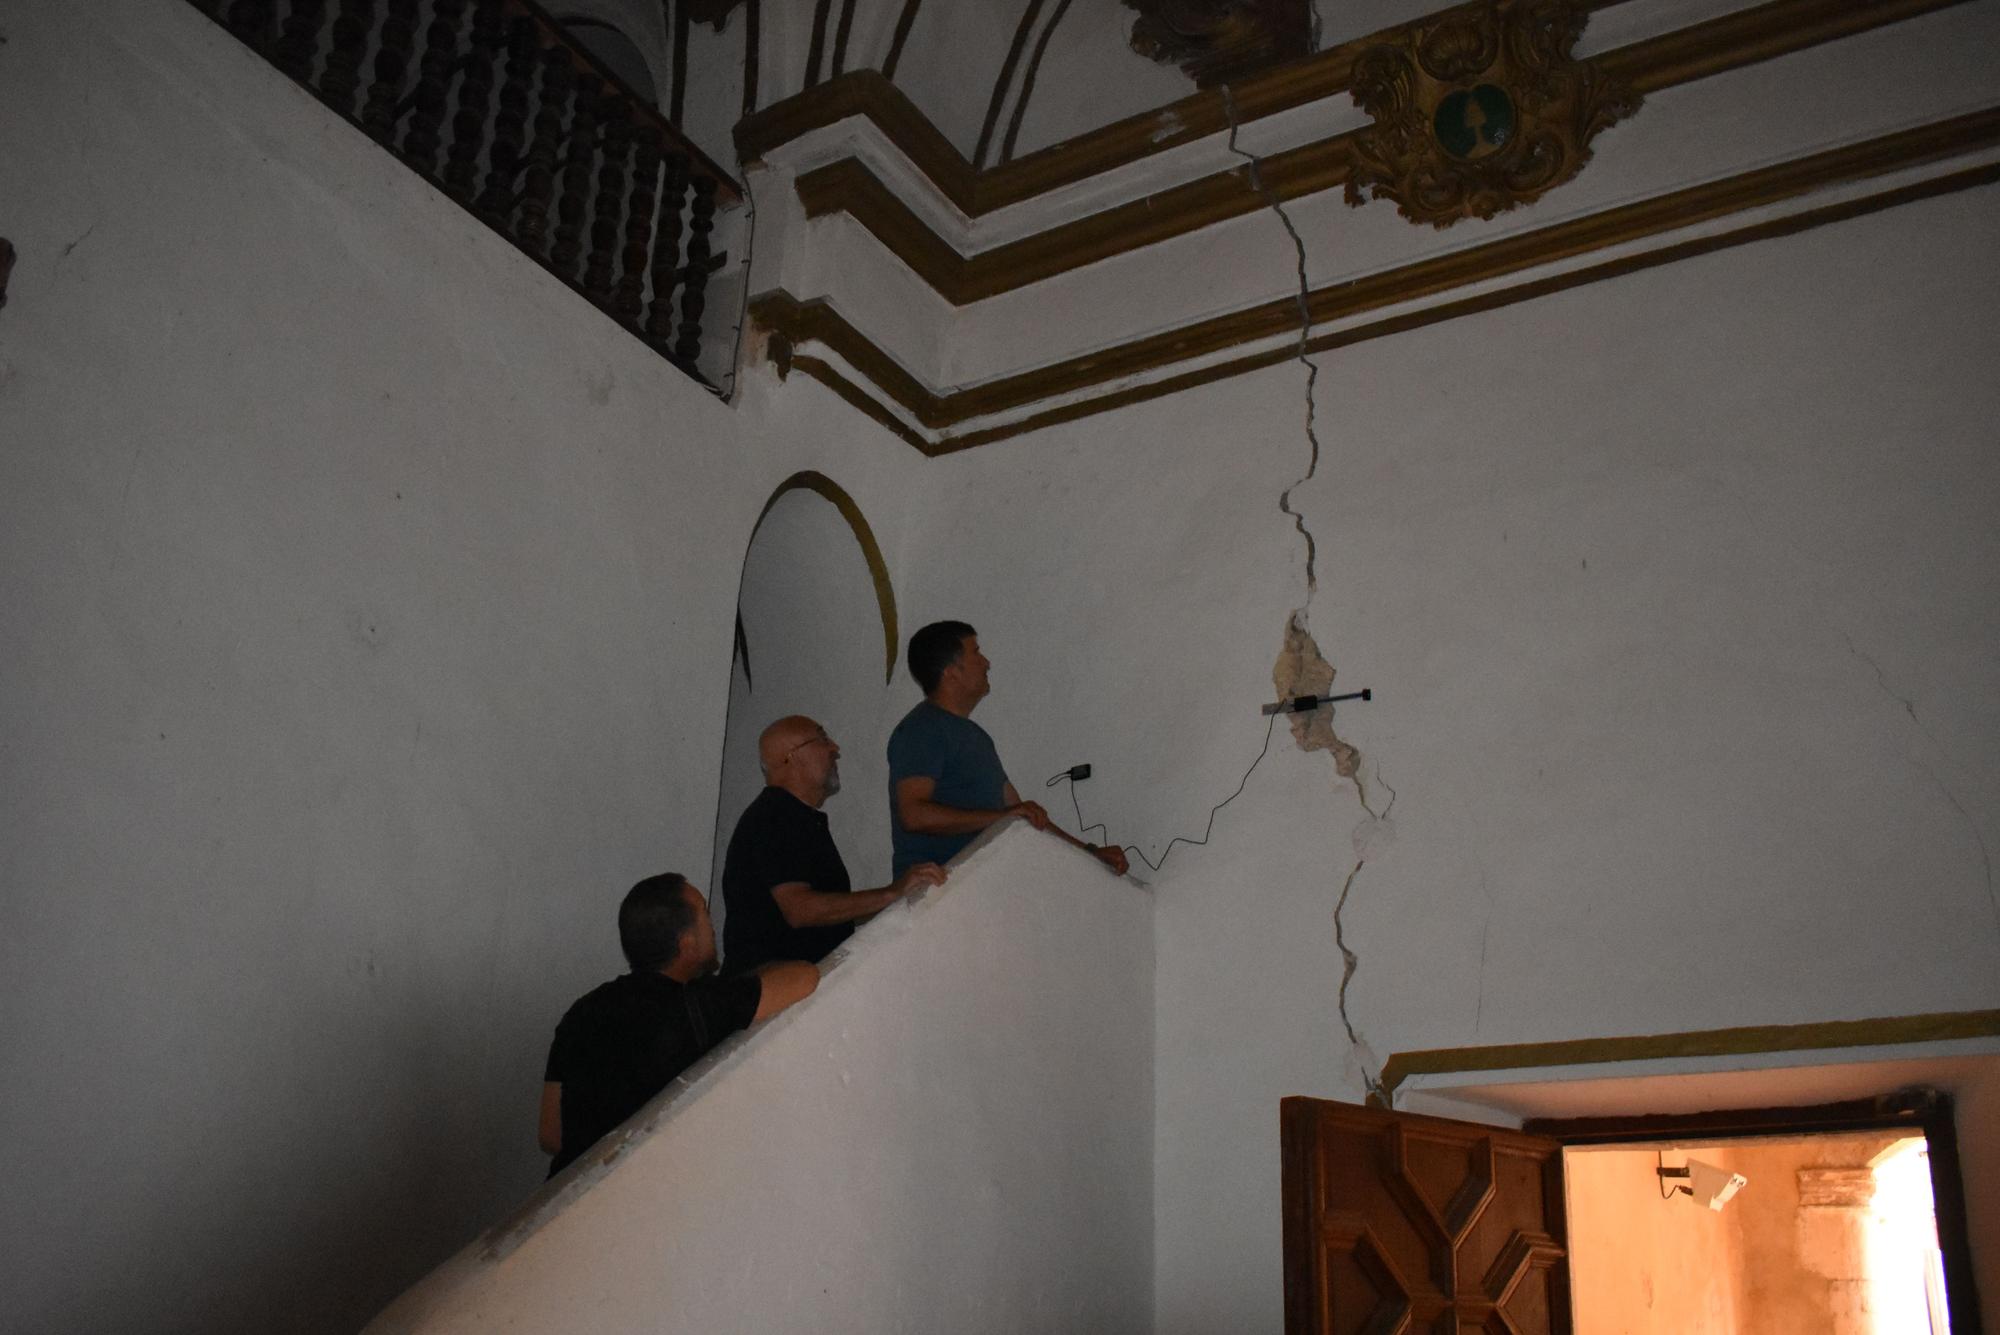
614, 31
871, 551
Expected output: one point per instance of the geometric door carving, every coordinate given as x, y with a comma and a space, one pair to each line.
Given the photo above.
1397, 1224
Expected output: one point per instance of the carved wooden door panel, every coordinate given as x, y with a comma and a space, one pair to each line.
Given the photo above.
1397, 1224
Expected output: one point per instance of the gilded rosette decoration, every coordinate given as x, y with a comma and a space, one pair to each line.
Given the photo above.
1479, 111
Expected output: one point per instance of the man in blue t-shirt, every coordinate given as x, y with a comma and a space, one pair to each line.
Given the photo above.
945, 779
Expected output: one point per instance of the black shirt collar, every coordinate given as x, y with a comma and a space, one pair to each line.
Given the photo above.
790, 802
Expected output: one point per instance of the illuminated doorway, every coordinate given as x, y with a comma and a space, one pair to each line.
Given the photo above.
1832, 1233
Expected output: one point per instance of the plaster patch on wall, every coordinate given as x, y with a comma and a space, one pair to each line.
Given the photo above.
1302, 670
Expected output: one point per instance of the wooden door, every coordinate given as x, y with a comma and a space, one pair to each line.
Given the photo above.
1397, 1224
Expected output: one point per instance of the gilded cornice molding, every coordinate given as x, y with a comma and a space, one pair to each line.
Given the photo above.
870, 95
1889, 1031
1732, 41
796, 322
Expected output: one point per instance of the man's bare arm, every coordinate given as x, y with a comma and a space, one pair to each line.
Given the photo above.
1112, 856
783, 983
549, 1133
803, 906
921, 815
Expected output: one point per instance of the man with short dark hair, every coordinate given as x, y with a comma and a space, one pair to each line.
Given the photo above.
783, 881
622, 1042
946, 783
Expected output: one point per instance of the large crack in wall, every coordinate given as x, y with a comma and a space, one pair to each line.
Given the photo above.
1301, 669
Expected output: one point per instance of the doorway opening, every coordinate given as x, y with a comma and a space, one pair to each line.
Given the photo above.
1834, 1232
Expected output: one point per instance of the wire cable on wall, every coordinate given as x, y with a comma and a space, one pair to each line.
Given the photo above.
743, 312
1302, 297
1206, 833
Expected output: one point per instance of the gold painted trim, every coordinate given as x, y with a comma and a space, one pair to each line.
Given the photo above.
827, 374
1732, 41
1786, 226
1022, 30
904, 22
1748, 36
1888, 1031
871, 551
1028, 80
817, 321
847, 186
861, 93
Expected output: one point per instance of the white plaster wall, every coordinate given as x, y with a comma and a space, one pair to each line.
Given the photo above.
1680, 597
367, 601
952, 1134
815, 634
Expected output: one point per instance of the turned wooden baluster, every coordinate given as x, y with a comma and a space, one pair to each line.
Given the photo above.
420, 142
701, 221
298, 38
510, 122
342, 77
475, 99
580, 155
538, 177
610, 199
392, 64
250, 20
667, 250
630, 302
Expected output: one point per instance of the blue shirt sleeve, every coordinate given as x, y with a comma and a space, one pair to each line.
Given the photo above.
917, 750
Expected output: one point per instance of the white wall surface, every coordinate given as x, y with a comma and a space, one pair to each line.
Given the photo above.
951, 1135
367, 603
370, 606
1680, 597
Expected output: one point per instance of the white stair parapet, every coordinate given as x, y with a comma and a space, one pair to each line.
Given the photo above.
953, 1133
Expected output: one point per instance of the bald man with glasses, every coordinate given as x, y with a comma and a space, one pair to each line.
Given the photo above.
783, 881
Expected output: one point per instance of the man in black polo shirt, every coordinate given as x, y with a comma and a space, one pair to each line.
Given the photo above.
621, 1043
783, 880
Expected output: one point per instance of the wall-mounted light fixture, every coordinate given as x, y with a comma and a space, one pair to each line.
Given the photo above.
1704, 1183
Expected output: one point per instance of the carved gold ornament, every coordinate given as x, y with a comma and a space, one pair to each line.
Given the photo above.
1480, 111
1218, 41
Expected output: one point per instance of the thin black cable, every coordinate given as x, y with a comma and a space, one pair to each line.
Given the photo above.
1213, 811
743, 315
1081, 829
1270, 196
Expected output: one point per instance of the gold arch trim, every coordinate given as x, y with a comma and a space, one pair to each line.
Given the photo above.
871, 551
1886, 1031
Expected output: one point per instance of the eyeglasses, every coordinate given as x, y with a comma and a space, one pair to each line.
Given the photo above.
810, 741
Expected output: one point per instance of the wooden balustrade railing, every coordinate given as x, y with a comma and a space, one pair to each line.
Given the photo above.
491, 101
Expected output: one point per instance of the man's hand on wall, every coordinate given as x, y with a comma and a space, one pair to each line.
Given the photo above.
1032, 813
920, 877
1112, 857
